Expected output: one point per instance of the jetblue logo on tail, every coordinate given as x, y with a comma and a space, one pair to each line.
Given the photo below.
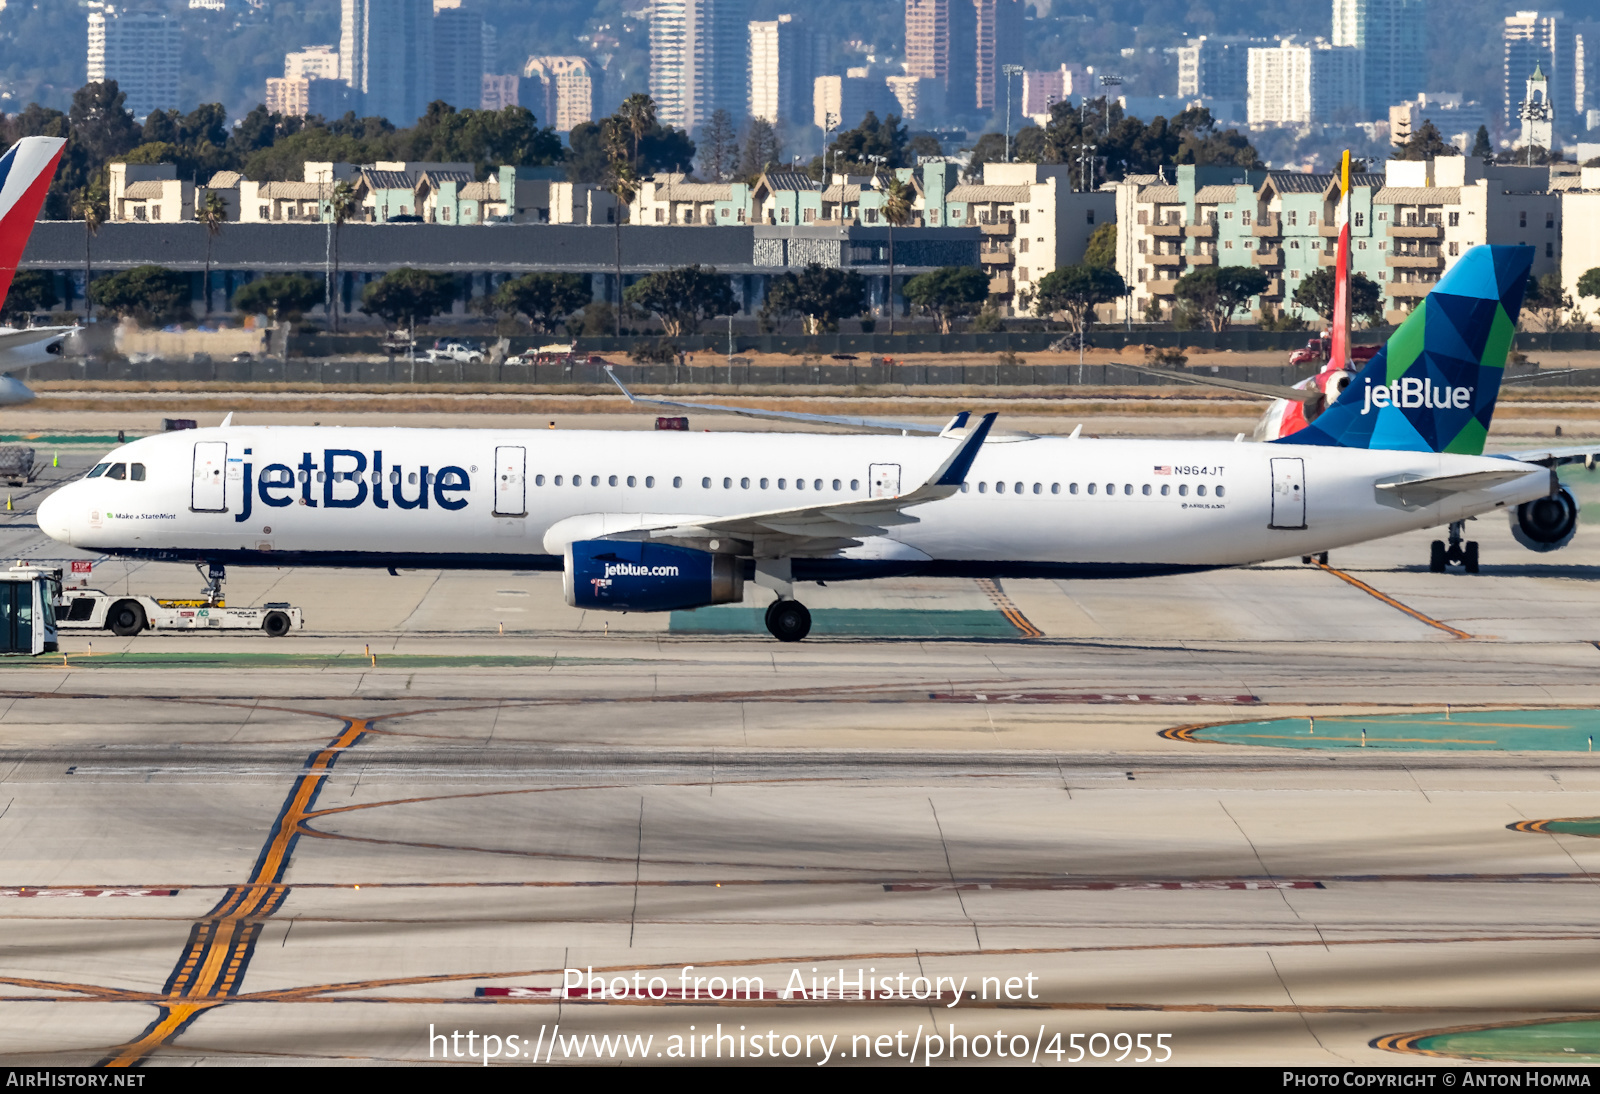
1412, 392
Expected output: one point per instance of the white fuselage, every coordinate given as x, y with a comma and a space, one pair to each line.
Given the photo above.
329, 496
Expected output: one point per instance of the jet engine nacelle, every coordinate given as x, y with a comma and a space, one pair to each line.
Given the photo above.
634, 576
1546, 524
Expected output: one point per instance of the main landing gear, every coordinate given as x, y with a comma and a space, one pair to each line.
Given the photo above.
788, 620
1442, 556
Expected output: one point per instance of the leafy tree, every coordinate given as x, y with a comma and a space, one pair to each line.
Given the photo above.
484, 138
683, 298
213, 214
154, 295
991, 148
408, 295
852, 149
761, 148
1316, 294
822, 294
1127, 145
543, 297
925, 144
31, 291
948, 293
280, 296
1426, 143
1549, 301
1216, 293
1076, 291
1102, 248
1481, 148
1589, 283
590, 153
719, 147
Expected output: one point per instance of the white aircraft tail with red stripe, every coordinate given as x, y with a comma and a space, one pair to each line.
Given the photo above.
25, 174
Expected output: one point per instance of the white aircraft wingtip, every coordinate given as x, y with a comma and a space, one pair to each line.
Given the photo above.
1075, 431
226, 422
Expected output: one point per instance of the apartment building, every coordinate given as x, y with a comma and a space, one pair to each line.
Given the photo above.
1408, 226
699, 61
1391, 36
142, 51
997, 42
150, 192
1032, 221
568, 88
941, 44
1304, 83
674, 198
785, 57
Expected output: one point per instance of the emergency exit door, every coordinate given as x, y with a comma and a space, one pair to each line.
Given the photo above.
884, 479
1288, 492
510, 482
208, 492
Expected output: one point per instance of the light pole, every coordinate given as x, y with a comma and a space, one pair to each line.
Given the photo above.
1010, 71
1105, 99
1086, 153
830, 123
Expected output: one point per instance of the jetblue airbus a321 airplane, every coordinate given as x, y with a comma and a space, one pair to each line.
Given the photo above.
655, 521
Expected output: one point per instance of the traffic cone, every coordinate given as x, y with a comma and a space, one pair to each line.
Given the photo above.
55, 460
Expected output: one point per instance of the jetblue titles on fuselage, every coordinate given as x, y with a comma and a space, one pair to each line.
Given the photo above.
345, 483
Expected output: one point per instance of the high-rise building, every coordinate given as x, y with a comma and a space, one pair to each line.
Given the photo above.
848, 98
570, 90
1043, 90
141, 51
783, 64
998, 42
1215, 68
1300, 84
699, 60
1392, 38
458, 57
1542, 40
313, 63
941, 42
386, 56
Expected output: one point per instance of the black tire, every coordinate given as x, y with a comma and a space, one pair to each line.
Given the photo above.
1469, 557
788, 620
770, 609
276, 624
1438, 559
126, 618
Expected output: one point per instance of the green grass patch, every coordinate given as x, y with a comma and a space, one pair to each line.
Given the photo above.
303, 661
1543, 1042
1460, 731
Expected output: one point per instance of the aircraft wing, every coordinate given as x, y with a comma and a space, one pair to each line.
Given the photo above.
1553, 457
878, 424
1268, 391
16, 339
826, 526
1416, 492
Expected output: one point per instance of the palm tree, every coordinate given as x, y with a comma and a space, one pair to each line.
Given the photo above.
342, 205
638, 113
898, 197
90, 204
623, 182
213, 213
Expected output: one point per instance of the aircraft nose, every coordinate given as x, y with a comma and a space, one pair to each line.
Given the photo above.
53, 520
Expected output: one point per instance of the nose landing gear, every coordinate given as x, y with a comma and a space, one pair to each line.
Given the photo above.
1443, 555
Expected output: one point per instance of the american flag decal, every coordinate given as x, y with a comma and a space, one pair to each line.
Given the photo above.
1164, 469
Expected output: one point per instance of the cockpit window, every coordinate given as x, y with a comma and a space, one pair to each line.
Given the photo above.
118, 471
136, 472
98, 470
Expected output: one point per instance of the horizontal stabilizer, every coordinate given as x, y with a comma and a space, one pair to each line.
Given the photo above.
1418, 492
1266, 391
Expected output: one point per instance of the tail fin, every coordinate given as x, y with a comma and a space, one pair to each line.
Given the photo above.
25, 174
1339, 328
1432, 388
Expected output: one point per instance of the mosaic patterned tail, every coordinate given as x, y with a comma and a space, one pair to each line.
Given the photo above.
1433, 387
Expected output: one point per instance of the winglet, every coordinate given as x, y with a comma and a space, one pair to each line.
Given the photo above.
612, 373
226, 422
955, 469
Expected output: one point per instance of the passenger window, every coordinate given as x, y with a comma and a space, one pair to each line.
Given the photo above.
631, 480
1091, 488
983, 488
577, 480
1183, 491
538, 480
677, 480
394, 477
97, 470
594, 480
965, 487
799, 484
1037, 489
1111, 488
763, 484
306, 475
855, 484
1072, 488
836, 484
727, 484
999, 488
744, 484
1055, 488
412, 478
1200, 491
1146, 489
1127, 488
705, 483
429, 479
1165, 490
781, 483
817, 485
1220, 492
377, 478
322, 476
612, 481
136, 472
1017, 488
649, 482
557, 479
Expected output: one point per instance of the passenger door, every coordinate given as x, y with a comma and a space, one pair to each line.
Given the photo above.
884, 480
510, 482
1288, 492
207, 494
